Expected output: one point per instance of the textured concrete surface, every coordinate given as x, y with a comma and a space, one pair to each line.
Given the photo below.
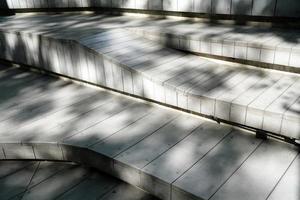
229, 7
110, 51
170, 154
61, 180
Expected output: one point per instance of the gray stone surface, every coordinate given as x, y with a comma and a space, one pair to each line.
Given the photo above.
21, 178
156, 4
131, 140
202, 6
216, 167
263, 8
158, 143
268, 163
288, 186
170, 5
62, 180
221, 6
121, 60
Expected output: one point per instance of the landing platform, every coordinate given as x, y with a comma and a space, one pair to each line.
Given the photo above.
170, 154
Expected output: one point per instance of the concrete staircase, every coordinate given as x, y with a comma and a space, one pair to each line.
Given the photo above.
170, 154
179, 63
96, 49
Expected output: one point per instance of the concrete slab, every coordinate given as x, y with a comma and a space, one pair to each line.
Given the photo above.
205, 177
158, 143
285, 188
21, 179
268, 163
181, 157
133, 134
254, 116
109, 126
202, 6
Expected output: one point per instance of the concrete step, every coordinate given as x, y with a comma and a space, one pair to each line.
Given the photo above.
170, 154
99, 53
61, 180
267, 47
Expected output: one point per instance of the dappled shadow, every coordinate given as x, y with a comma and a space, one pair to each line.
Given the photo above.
61, 180
57, 110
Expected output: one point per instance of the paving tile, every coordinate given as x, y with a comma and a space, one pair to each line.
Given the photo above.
263, 8
288, 186
275, 111
239, 105
265, 166
202, 6
20, 179
205, 177
96, 185
131, 135
47, 169
255, 110
126, 192
163, 139
221, 7
18, 151
290, 122
181, 157
109, 126
58, 184
224, 101
52, 113
282, 56
80, 123
8, 167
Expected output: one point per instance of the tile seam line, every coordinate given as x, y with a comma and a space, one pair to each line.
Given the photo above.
290, 107
260, 94
30, 181
250, 87
282, 176
79, 115
48, 177
190, 133
173, 119
225, 181
50, 114
110, 43
197, 161
217, 98
264, 110
82, 179
135, 121
99, 122
165, 81
15, 171
239, 95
